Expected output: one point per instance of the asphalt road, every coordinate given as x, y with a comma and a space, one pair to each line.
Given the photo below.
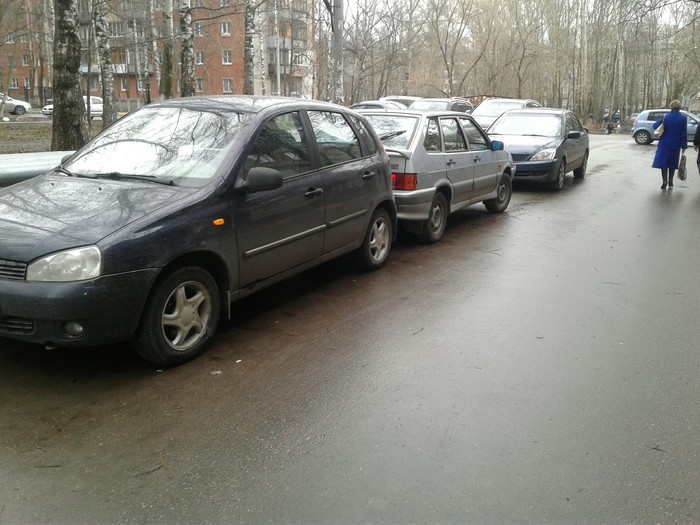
540, 366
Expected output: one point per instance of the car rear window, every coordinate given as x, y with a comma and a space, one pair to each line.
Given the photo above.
395, 131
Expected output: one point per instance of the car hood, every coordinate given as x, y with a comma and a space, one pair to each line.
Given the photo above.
521, 144
51, 212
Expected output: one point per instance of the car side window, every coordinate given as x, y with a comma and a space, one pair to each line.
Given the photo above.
576, 122
366, 138
281, 145
656, 115
569, 124
431, 143
476, 138
336, 139
452, 133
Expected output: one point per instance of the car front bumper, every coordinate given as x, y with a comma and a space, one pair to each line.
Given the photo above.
108, 309
537, 171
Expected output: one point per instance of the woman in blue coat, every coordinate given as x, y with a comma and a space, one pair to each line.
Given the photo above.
673, 140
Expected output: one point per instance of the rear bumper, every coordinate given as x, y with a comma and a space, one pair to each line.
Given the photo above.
413, 205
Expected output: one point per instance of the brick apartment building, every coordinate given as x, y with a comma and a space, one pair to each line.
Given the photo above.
282, 62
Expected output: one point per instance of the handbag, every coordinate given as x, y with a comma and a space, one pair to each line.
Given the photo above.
681, 169
660, 130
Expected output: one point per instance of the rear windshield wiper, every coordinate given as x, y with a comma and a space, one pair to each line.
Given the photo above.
391, 135
115, 175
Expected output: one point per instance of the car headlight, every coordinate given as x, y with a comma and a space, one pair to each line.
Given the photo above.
77, 264
545, 154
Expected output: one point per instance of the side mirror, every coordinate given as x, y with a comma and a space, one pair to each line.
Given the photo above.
574, 135
260, 179
497, 145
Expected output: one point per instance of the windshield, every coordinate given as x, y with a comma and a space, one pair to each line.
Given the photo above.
394, 131
166, 144
494, 109
542, 125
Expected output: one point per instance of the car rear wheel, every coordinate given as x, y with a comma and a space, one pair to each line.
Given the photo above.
580, 172
558, 183
19, 110
376, 246
503, 195
434, 227
643, 137
180, 317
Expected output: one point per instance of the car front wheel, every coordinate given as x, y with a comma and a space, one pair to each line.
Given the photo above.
180, 317
580, 172
376, 245
20, 110
558, 183
503, 195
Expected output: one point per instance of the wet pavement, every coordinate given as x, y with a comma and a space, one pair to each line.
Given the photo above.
539, 366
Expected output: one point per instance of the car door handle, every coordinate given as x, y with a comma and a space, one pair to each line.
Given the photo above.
369, 175
451, 162
477, 158
313, 192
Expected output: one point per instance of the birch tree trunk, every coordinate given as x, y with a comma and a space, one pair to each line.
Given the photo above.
104, 52
187, 50
166, 79
70, 123
249, 49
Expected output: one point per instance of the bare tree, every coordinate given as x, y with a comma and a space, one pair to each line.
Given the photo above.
70, 123
104, 52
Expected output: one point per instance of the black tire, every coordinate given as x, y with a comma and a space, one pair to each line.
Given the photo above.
580, 172
376, 246
180, 317
434, 228
503, 194
19, 110
558, 183
643, 137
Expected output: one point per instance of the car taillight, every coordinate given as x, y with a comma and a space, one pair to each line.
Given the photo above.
404, 181
634, 123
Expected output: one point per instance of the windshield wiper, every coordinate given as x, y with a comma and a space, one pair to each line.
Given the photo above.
115, 175
391, 135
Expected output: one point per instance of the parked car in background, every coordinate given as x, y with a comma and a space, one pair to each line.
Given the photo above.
404, 100
443, 104
492, 108
14, 106
545, 143
441, 161
96, 107
150, 230
643, 133
377, 104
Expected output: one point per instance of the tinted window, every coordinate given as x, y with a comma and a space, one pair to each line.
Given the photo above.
454, 139
656, 115
281, 145
576, 122
366, 138
476, 138
336, 140
432, 136
460, 106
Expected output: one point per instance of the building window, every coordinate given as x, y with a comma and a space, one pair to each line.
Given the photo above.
14, 83
116, 28
94, 85
11, 61
25, 60
199, 58
10, 39
24, 39
228, 85
226, 57
198, 29
119, 56
26, 82
199, 85
124, 85
225, 28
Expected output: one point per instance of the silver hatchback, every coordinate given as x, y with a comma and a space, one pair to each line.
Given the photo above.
441, 161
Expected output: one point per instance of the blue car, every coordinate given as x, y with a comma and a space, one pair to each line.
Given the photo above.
643, 132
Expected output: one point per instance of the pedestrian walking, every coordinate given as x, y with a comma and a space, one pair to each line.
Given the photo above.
672, 141
696, 144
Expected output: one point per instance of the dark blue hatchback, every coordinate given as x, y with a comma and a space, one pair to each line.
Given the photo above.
545, 143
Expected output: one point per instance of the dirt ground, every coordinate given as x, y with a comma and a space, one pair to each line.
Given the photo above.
30, 134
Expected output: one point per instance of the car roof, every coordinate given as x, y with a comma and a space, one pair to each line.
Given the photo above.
245, 103
508, 99
426, 113
534, 111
